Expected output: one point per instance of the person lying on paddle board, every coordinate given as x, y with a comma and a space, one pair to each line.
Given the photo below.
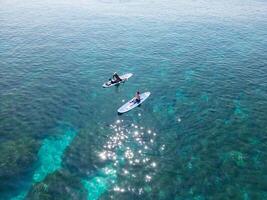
115, 78
137, 98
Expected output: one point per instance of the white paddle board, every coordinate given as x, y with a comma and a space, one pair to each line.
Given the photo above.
124, 78
133, 104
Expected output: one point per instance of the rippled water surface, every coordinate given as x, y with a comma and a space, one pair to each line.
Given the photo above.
202, 134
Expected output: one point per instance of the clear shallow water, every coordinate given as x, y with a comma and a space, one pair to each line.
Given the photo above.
202, 133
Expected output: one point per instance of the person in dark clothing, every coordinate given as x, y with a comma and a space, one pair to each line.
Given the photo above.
137, 98
116, 78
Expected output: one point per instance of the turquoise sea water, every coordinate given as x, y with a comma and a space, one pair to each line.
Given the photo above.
201, 134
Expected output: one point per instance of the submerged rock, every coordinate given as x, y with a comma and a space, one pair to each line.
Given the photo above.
58, 186
51, 153
16, 158
49, 159
98, 185
240, 111
82, 156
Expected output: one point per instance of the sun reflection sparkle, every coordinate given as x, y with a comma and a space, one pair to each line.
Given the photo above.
128, 147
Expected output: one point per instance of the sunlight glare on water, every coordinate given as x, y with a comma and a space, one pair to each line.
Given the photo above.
200, 135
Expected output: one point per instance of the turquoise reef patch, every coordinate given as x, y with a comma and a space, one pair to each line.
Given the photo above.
239, 110
50, 154
49, 158
100, 184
